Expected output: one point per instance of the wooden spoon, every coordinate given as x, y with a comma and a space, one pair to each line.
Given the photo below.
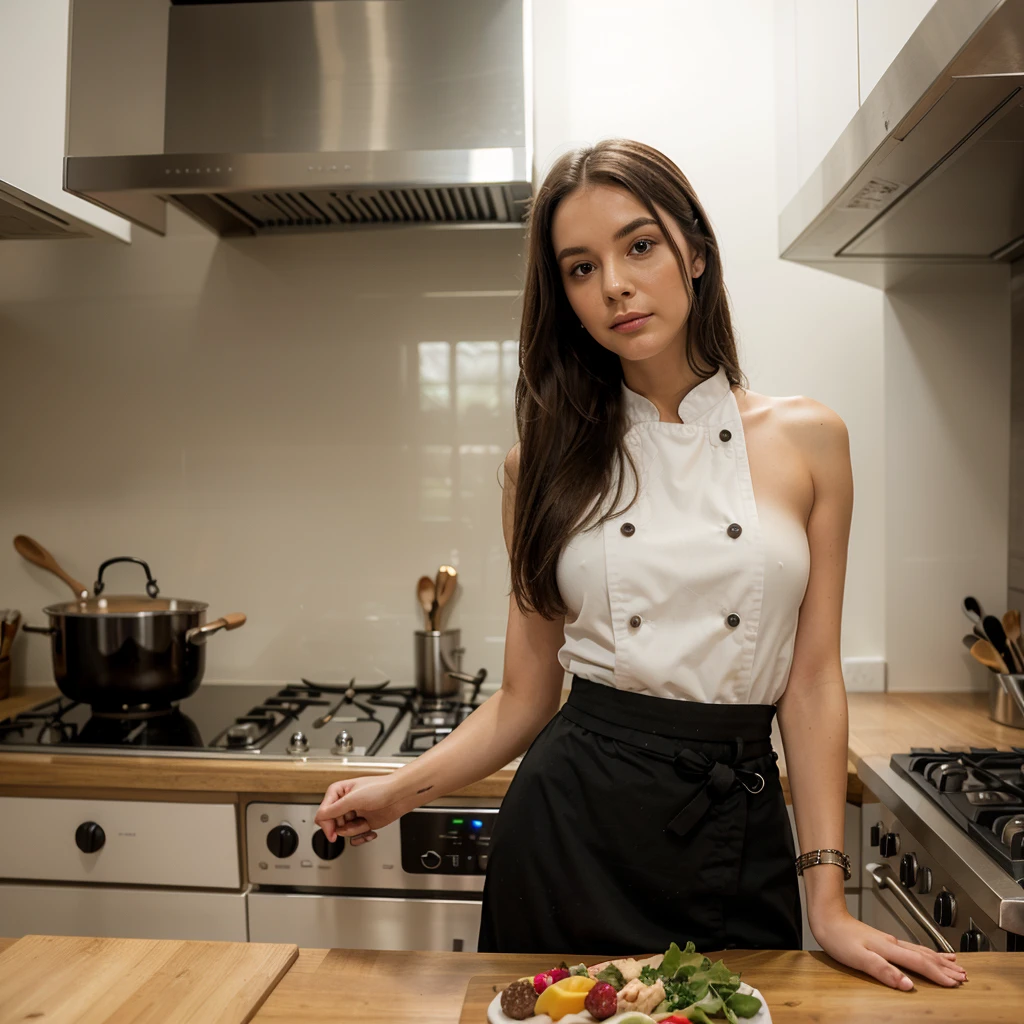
984, 652
448, 578
425, 593
1011, 625
439, 582
38, 555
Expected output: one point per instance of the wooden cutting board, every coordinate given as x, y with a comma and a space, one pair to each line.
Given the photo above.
56, 979
802, 987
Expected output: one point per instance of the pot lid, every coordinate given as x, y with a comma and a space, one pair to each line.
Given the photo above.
126, 604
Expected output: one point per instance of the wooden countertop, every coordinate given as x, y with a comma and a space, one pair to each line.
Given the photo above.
342, 986
345, 986
880, 723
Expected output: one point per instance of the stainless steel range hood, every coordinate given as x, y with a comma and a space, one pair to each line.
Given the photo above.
306, 115
931, 168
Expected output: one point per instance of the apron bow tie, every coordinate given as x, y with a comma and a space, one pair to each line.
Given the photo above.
718, 778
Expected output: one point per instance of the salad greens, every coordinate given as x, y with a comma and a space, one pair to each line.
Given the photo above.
699, 989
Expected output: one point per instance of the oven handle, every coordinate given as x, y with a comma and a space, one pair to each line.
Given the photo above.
885, 879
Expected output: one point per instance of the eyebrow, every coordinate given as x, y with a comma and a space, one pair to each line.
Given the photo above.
579, 250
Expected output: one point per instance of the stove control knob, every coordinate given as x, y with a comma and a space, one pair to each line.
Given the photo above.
973, 941
344, 743
876, 833
944, 911
298, 744
282, 841
924, 881
431, 860
908, 870
324, 848
89, 837
889, 844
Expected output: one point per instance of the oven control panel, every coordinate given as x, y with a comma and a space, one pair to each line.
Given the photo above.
443, 841
442, 849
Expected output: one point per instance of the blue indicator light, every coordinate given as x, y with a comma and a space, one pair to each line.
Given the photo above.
477, 823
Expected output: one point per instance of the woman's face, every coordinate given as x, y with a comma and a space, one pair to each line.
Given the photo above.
620, 274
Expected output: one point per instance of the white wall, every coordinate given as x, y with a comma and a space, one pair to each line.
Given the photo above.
248, 415
947, 401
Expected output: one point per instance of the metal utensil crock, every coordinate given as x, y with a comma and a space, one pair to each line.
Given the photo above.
438, 662
1006, 700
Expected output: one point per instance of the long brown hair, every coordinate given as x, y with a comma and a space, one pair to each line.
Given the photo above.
569, 408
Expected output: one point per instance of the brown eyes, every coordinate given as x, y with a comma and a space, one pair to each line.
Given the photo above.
641, 247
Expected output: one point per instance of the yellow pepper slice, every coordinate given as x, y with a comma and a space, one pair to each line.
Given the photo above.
565, 996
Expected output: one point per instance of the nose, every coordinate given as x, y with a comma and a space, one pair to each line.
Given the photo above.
616, 284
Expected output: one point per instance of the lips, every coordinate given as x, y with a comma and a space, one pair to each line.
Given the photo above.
634, 323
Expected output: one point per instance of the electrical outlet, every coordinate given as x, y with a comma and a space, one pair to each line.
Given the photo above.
864, 675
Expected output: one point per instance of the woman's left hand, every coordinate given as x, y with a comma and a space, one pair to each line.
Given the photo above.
880, 955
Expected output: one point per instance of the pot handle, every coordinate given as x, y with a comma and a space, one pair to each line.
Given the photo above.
44, 630
199, 634
151, 588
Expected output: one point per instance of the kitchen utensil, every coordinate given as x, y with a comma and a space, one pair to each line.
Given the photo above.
5, 678
1006, 700
969, 640
121, 651
446, 590
38, 555
64, 978
1011, 626
320, 722
984, 652
971, 607
437, 661
994, 631
439, 582
9, 623
425, 593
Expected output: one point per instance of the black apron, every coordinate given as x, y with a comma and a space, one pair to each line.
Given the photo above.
636, 821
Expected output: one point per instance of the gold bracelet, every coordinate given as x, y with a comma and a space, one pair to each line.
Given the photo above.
816, 857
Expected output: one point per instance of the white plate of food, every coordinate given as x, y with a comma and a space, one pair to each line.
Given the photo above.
669, 988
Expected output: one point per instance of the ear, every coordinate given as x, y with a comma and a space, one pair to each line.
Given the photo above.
697, 266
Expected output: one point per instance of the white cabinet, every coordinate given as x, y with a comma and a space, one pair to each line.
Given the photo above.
829, 55
33, 100
816, 70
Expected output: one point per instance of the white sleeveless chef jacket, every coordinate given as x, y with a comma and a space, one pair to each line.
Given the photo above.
694, 592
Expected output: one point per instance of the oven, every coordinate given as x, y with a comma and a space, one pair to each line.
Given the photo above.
417, 886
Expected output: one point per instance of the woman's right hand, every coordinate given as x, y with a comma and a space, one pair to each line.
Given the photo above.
356, 808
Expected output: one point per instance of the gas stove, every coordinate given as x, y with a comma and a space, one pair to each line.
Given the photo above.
981, 790
944, 848
298, 720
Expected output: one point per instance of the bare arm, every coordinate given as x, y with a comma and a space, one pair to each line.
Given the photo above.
498, 731
813, 721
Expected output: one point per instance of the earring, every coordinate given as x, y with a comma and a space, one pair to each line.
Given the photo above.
581, 326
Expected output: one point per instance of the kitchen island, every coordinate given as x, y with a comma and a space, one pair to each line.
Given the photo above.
339, 986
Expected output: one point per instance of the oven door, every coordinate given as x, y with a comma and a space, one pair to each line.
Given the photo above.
888, 903
364, 922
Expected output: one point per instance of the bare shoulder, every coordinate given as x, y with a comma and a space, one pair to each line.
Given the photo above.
809, 425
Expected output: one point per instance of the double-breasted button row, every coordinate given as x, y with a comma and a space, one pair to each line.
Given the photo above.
628, 529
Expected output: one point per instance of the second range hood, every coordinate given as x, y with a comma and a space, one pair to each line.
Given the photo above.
305, 115
931, 168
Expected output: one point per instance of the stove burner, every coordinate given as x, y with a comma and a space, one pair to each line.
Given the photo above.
981, 790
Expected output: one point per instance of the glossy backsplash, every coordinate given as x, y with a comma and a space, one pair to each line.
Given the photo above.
295, 428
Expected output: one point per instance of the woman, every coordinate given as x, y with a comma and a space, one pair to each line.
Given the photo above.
678, 543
